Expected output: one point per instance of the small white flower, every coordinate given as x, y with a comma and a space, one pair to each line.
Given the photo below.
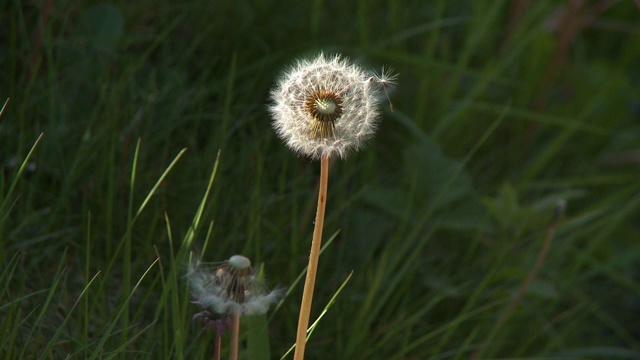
326, 106
231, 287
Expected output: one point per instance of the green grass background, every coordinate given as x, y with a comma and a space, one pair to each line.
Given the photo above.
499, 114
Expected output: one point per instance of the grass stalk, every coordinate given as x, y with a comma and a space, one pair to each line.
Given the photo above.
515, 300
314, 255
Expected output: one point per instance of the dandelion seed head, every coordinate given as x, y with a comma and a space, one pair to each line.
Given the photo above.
325, 106
230, 287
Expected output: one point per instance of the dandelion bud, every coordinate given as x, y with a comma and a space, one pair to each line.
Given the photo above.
326, 106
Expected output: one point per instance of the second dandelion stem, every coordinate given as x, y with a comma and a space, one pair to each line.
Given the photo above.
314, 255
235, 336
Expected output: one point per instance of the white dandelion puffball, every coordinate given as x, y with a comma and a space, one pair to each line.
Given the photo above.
325, 106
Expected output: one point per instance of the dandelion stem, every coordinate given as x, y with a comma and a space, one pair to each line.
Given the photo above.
235, 335
314, 255
218, 345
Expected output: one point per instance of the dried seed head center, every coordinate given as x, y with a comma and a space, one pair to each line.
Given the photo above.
235, 277
325, 107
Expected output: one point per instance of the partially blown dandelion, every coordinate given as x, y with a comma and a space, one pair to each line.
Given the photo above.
326, 106
322, 108
230, 289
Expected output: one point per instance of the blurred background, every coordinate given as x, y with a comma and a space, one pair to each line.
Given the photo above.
449, 219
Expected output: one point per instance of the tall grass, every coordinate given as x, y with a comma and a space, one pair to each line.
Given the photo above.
121, 111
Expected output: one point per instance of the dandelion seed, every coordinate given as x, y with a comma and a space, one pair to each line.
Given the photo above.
327, 106
386, 78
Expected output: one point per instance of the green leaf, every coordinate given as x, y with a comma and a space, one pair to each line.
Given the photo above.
257, 337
